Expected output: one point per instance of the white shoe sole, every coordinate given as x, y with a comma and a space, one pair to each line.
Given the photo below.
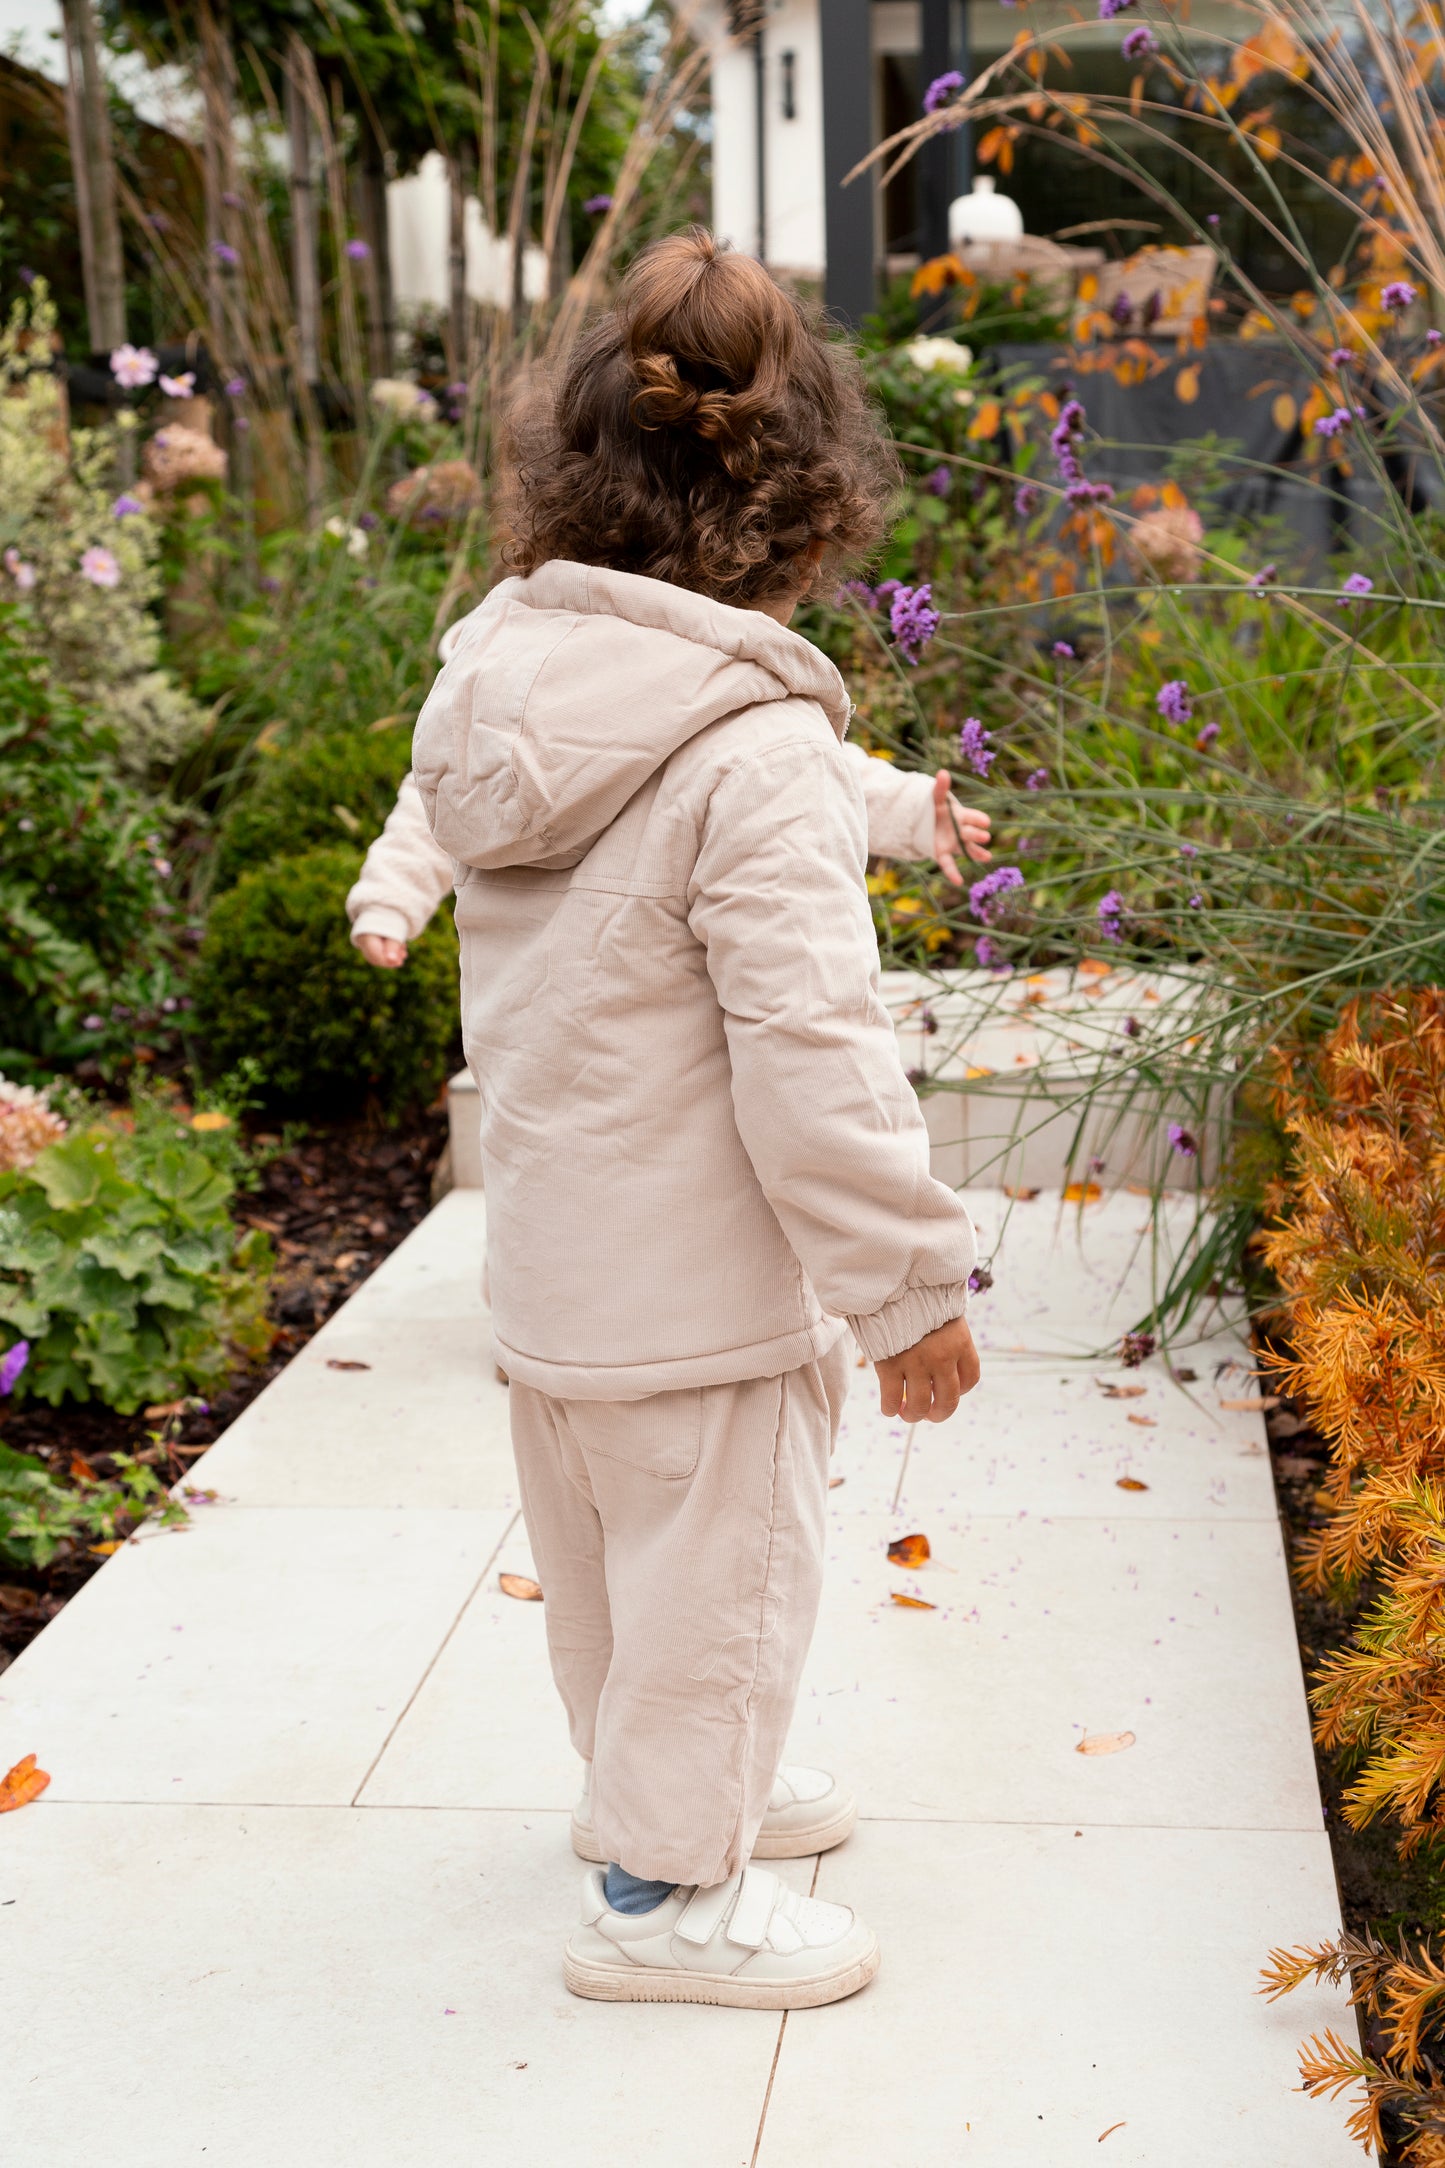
654, 1983
785, 1844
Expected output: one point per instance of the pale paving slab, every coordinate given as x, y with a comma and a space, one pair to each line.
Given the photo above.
1040, 1986
340, 1989
260, 1654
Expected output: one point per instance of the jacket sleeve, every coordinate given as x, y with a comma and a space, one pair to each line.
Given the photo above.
826, 1114
405, 874
900, 806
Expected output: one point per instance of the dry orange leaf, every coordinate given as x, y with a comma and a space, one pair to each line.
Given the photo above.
1145, 1422
1019, 1193
162, 1410
1104, 1742
1252, 1407
518, 1585
1130, 1482
22, 1784
986, 421
911, 1603
1111, 1391
1186, 384
1082, 1192
106, 1550
1103, 2134
1284, 411
1094, 967
835, 1480
337, 1362
213, 1119
910, 1551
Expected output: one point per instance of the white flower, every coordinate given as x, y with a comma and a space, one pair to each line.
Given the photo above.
179, 387
398, 395
946, 355
133, 367
353, 537
100, 566
21, 573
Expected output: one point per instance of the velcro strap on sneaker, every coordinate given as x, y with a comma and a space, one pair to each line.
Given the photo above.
703, 1912
748, 1927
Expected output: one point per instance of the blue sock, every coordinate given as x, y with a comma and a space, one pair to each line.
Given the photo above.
630, 1893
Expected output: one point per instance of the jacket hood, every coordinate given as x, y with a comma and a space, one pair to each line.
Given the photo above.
565, 692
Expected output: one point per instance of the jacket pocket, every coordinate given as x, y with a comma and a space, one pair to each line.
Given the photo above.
661, 1435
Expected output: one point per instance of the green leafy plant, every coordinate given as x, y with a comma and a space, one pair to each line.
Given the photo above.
121, 1267
40, 1518
335, 789
89, 955
278, 980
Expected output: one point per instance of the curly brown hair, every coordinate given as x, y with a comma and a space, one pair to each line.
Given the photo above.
706, 431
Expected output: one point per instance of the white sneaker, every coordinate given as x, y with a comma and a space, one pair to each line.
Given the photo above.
751, 1943
809, 1811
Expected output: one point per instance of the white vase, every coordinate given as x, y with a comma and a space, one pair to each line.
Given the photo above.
984, 215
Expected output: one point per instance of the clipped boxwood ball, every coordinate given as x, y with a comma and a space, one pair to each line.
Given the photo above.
278, 980
331, 788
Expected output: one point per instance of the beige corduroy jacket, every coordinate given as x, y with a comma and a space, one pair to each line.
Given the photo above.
700, 1150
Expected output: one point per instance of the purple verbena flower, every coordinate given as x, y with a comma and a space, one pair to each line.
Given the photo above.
1399, 294
983, 895
913, 619
597, 206
1108, 9
358, 251
224, 253
1206, 737
1110, 915
987, 955
1212, 219
1173, 701
1189, 850
1434, 337
1026, 499
1131, 1027
940, 482
1062, 652
236, 388
125, 505
974, 746
1340, 357
1122, 308
1358, 584
1333, 425
1139, 43
12, 1362
980, 1280
1082, 492
942, 90
1182, 1142
1038, 780
1265, 577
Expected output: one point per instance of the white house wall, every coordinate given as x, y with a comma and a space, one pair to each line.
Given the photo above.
794, 147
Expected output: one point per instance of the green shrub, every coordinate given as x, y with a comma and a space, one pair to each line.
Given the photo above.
88, 950
280, 982
120, 1265
333, 789
39, 1517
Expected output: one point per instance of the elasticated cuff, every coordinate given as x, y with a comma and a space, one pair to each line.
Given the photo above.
380, 918
904, 1321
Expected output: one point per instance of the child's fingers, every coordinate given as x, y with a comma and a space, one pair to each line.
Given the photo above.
948, 865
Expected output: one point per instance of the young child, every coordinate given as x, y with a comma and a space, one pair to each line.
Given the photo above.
703, 1160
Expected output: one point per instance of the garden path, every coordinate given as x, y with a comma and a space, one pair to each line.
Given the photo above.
298, 1886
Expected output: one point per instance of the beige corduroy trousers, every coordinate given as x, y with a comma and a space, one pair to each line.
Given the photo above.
679, 1542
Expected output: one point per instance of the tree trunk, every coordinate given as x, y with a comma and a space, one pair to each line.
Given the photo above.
97, 196
305, 270
457, 268
80, 160
371, 206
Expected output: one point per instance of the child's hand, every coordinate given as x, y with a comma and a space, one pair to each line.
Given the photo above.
926, 1382
955, 825
380, 949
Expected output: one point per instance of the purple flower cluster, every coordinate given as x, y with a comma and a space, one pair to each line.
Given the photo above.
597, 206
1038, 780
975, 747
1026, 499
1206, 737
1358, 585
942, 90
1140, 43
913, 619
987, 956
1062, 652
1173, 701
1182, 1142
1108, 9
1398, 294
1434, 337
980, 1280
1064, 444
224, 253
1334, 425
1340, 357
984, 895
940, 482
1265, 577
1111, 915
358, 251
12, 1362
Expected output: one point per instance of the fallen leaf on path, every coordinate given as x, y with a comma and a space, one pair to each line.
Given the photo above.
1122, 1392
518, 1585
1104, 1742
1252, 1407
974, 1069
1081, 1192
1103, 2134
22, 1784
81, 1470
338, 1362
106, 1550
1019, 1193
1130, 1482
911, 1603
213, 1118
1145, 1422
835, 1480
1094, 967
1185, 1376
909, 1551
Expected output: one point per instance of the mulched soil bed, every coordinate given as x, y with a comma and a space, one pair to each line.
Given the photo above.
334, 1205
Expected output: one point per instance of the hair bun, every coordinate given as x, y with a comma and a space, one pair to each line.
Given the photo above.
663, 400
